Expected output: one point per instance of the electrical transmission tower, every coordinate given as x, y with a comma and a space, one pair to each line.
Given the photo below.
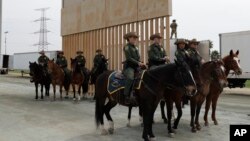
43, 43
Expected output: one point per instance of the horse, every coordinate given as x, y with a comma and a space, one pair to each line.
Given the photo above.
58, 78
150, 93
209, 72
77, 78
39, 76
231, 62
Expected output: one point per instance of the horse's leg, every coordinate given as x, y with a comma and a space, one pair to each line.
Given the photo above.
129, 116
36, 87
197, 114
107, 108
207, 107
54, 89
192, 109
42, 91
151, 134
79, 92
99, 112
169, 115
163, 116
74, 91
179, 113
214, 104
61, 91
146, 120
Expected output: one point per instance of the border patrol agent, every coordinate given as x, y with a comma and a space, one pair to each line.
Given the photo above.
194, 54
62, 62
181, 53
80, 59
43, 59
131, 64
156, 54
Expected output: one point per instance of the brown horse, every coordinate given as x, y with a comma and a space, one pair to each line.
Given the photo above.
209, 72
58, 78
77, 78
151, 92
231, 62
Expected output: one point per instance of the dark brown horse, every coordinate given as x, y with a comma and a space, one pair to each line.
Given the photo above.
77, 78
39, 76
209, 72
231, 62
58, 78
151, 92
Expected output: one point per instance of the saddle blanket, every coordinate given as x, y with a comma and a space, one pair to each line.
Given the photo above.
116, 81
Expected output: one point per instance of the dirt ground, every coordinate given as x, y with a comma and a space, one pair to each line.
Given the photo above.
24, 119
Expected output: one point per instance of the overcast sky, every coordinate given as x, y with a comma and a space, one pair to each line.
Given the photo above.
201, 19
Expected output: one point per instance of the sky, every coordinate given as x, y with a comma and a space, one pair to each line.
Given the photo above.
200, 19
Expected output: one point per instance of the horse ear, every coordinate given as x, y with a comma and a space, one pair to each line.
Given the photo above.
231, 52
29, 62
237, 52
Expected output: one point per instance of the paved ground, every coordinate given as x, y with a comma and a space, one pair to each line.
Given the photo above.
24, 119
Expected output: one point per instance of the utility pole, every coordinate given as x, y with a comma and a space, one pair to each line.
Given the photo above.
1, 26
42, 43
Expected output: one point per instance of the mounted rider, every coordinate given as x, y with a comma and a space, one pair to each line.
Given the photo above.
181, 53
81, 61
99, 60
194, 53
62, 62
131, 64
156, 54
43, 61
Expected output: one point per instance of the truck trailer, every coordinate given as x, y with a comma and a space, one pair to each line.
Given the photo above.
237, 41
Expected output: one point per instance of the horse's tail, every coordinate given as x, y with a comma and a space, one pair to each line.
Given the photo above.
97, 112
66, 83
85, 85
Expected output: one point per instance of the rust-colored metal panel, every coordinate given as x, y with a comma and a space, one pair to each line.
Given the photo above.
150, 9
71, 3
157, 25
167, 35
142, 41
121, 11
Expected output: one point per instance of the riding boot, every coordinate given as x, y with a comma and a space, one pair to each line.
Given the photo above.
128, 92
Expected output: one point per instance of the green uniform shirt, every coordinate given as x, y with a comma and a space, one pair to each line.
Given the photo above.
99, 58
156, 54
62, 62
132, 56
43, 60
195, 56
80, 59
181, 55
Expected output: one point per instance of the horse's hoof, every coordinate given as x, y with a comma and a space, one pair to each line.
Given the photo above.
171, 135
128, 125
206, 124
198, 127
165, 121
194, 130
216, 122
104, 132
152, 139
173, 130
111, 131
74, 99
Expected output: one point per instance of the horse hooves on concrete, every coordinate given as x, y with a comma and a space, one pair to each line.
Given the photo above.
111, 131
165, 121
152, 139
198, 127
216, 123
206, 124
128, 125
171, 135
194, 130
104, 132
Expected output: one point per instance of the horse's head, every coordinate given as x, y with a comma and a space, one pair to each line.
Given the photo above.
51, 65
75, 66
218, 73
185, 77
232, 62
33, 69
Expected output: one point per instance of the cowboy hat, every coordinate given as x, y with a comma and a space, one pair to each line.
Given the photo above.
193, 41
156, 35
129, 35
179, 41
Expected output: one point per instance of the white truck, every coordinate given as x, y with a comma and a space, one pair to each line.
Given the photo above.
21, 60
237, 41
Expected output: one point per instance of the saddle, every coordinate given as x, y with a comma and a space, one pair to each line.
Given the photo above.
116, 81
